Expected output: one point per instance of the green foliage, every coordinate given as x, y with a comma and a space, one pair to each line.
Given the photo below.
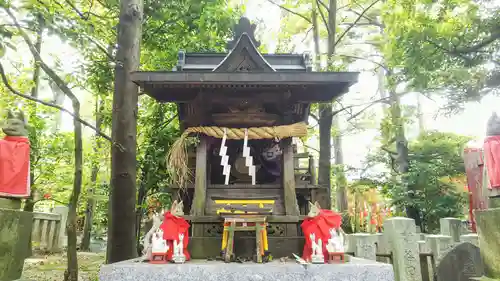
90, 27
436, 168
444, 46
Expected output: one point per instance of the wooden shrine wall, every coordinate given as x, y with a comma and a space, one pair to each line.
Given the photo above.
244, 192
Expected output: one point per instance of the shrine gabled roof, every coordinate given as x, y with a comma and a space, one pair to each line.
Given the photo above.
280, 62
245, 71
177, 86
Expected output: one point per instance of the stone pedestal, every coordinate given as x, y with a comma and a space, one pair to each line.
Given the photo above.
365, 246
488, 230
451, 227
15, 229
199, 270
403, 239
440, 245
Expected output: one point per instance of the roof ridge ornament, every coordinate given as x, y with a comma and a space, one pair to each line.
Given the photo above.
243, 26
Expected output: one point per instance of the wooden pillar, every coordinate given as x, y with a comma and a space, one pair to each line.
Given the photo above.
200, 185
291, 207
200, 182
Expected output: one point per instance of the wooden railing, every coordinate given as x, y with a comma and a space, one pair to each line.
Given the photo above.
305, 173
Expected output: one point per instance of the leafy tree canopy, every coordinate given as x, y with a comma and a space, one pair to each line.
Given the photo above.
449, 47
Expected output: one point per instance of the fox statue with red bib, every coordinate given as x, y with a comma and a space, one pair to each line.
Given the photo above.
15, 158
317, 229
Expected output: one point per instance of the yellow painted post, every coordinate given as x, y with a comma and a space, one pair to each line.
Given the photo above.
264, 237
224, 238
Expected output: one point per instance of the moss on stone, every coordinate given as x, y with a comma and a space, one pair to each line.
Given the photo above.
494, 202
15, 232
488, 230
10, 203
484, 278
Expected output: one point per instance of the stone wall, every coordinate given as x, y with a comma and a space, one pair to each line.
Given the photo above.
15, 228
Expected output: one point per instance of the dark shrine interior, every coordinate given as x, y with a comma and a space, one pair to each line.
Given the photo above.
266, 156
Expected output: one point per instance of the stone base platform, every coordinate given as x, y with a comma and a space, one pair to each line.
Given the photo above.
15, 230
198, 270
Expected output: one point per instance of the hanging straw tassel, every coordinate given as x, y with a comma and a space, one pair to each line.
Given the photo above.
177, 156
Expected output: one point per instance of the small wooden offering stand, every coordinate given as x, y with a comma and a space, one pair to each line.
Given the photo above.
336, 257
158, 258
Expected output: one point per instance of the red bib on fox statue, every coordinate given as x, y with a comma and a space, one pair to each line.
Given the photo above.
15, 158
318, 222
172, 226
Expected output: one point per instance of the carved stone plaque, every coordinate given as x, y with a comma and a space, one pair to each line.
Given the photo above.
460, 264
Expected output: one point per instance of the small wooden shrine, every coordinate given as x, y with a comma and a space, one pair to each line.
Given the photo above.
245, 89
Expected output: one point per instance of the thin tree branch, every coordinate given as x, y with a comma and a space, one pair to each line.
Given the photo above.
438, 46
358, 24
323, 18
59, 82
355, 22
38, 58
290, 11
477, 47
28, 97
307, 33
101, 48
365, 59
314, 117
321, 3
310, 147
370, 20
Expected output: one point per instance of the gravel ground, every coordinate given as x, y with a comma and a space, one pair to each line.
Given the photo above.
51, 267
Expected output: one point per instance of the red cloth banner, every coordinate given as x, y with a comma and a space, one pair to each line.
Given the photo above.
320, 225
172, 226
15, 167
474, 165
492, 157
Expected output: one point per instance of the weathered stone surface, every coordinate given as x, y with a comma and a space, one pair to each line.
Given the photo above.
426, 265
366, 246
357, 269
460, 264
383, 247
488, 230
403, 239
15, 229
61, 240
451, 227
471, 238
440, 245
10, 203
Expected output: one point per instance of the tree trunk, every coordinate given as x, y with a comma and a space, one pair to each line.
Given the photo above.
29, 204
89, 211
121, 240
71, 273
322, 195
340, 178
401, 158
324, 165
340, 182
328, 121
